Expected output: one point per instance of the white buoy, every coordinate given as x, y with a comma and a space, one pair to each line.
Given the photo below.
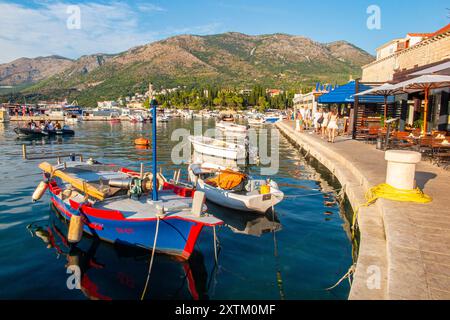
197, 203
39, 192
401, 168
75, 229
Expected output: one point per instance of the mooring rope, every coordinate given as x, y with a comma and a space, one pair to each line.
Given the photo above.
215, 245
388, 192
347, 275
151, 259
275, 252
312, 194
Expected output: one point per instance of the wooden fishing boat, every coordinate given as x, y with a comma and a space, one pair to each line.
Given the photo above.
121, 206
111, 215
231, 127
27, 132
218, 148
232, 189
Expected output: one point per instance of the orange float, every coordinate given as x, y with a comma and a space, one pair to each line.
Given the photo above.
142, 142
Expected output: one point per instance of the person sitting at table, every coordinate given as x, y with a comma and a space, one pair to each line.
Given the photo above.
50, 127
58, 125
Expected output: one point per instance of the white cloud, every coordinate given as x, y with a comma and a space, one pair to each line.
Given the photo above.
114, 27
148, 7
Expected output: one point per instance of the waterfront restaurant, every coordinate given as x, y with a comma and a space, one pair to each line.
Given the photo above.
359, 113
436, 101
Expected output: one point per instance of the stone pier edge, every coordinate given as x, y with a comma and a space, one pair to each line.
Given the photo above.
372, 259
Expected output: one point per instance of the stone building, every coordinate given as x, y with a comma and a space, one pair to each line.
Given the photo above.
412, 52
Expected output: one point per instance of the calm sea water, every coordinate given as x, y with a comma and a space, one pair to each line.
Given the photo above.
297, 254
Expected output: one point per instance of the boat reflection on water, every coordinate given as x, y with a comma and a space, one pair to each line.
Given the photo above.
45, 139
115, 272
245, 222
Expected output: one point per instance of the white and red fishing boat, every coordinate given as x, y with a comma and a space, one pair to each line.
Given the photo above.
230, 188
231, 127
119, 205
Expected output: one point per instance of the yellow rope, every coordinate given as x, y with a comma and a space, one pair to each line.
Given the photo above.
386, 191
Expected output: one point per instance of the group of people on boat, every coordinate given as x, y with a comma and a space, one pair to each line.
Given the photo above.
45, 126
323, 121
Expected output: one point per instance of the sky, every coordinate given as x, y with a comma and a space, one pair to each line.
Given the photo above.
54, 27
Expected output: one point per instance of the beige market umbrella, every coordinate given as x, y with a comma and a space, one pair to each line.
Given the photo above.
424, 83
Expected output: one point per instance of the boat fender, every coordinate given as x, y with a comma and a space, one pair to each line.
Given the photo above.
39, 192
197, 203
75, 229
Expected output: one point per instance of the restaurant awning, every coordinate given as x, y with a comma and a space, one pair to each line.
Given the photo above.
443, 68
424, 83
345, 94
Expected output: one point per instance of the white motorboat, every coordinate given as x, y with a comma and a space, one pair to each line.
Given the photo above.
272, 118
72, 119
231, 189
256, 121
231, 127
162, 118
219, 148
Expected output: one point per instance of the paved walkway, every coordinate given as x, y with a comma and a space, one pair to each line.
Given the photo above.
405, 247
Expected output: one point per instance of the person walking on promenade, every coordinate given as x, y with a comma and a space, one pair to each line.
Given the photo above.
303, 122
332, 126
326, 119
300, 119
308, 120
318, 119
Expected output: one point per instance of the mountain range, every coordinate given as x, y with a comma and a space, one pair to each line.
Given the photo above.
226, 60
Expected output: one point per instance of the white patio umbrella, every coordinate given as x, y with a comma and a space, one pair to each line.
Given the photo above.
424, 83
384, 90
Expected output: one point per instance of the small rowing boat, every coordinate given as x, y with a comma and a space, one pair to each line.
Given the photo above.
231, 127
232, 189
218, 148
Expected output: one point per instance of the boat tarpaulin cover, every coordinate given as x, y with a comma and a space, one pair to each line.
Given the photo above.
228, 179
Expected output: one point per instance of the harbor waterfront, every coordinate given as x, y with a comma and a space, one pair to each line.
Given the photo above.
405, 244
298, 253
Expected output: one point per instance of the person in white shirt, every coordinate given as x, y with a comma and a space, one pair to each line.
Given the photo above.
326, 119
317, 116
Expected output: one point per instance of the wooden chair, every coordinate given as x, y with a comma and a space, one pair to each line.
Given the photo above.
373, 134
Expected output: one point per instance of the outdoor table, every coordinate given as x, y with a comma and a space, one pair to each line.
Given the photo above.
439, 151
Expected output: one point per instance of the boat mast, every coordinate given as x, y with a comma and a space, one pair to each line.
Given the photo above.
153, 104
